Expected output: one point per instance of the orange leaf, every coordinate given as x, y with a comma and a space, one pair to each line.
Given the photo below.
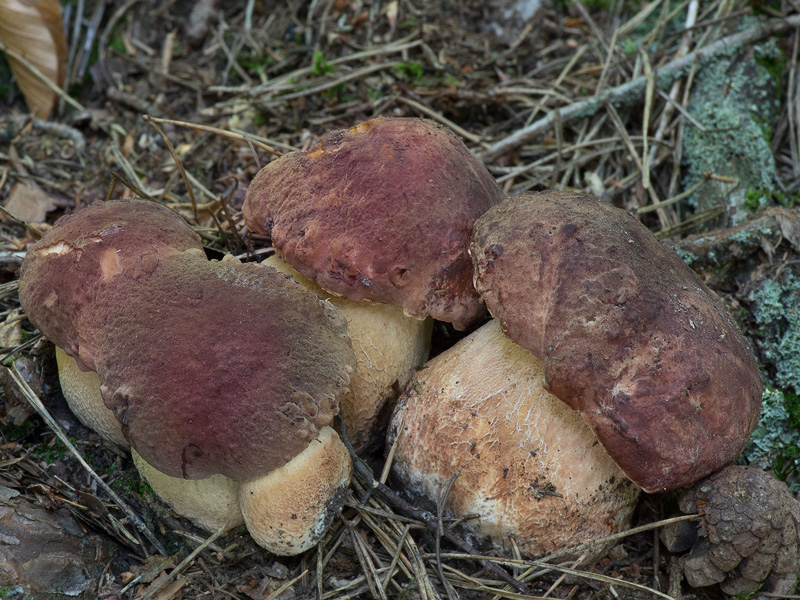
32, 29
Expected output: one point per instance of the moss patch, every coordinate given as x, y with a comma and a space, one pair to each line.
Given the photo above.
775, 443
736, 101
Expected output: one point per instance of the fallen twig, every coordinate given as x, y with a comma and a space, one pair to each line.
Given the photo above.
34, 401
632, 91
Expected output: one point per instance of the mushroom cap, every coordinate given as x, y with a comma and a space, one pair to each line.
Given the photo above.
210, 367
382, 211
63, 271
389, 346
629, 335
529, 466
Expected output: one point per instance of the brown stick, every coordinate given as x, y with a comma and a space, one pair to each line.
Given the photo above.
633, 90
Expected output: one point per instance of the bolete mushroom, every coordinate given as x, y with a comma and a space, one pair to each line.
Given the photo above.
212, 368
601, 316
381, 212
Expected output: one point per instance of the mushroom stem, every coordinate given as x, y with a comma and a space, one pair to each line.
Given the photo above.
529, 465
209, 503
81, 390
289, 510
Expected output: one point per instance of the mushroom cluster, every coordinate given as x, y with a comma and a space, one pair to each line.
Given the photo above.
223, 377
378, 219
609, 368
601, 316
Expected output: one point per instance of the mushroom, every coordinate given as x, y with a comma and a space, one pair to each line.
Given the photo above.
381, 212
629, 335
599, 315
212, 368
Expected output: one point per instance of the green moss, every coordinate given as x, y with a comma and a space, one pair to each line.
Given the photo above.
777, 312
14, 433
410, 23
754, 200
133, 484
775, 442
320, 66
412, 71
257, 63
54, 453
748, 238
774, 63
736, 101
747, 595
16, 592
686, 256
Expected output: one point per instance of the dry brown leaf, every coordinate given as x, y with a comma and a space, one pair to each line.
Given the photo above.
28, 202
33, 29
11, 330
789, 223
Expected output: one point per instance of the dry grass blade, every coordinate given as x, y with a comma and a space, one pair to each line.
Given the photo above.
286, 586
34, 401
290, 80
616, 536
510, 562
365, 560
32, 34
441, 500
221, 132
184, 175
185, 563
396, 557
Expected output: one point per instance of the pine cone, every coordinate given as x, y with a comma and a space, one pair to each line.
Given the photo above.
748, 533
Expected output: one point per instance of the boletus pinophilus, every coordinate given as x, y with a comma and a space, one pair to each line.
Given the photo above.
224, 376
380, 213
612, 323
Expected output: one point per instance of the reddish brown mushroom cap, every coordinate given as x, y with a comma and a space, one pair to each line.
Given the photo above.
211, 367
382, 211
280, 353
64, 270
629, 335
